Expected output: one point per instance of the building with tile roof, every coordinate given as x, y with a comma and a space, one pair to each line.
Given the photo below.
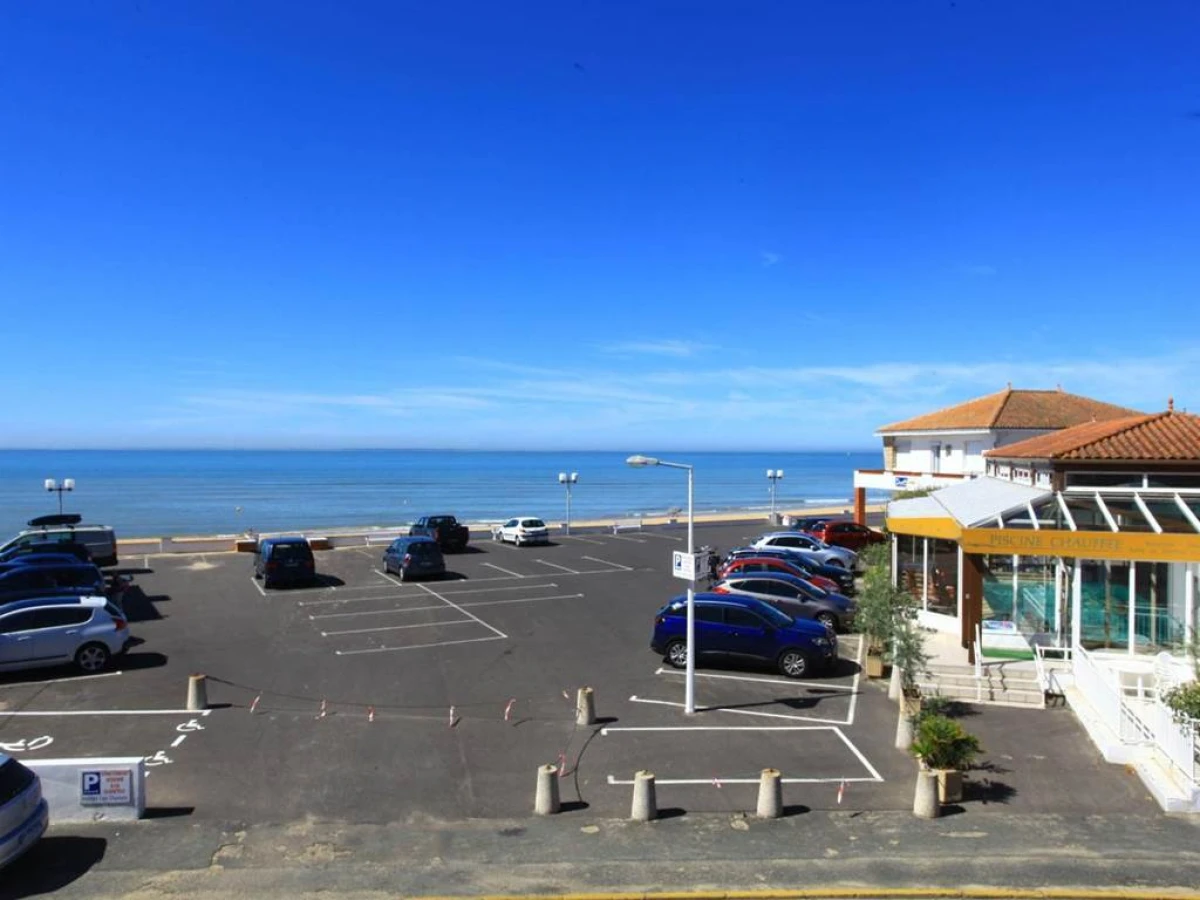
947, 445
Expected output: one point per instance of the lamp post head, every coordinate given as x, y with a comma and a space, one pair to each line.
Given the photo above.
562, 477
774, 474
639, 460
69, 484
50, 485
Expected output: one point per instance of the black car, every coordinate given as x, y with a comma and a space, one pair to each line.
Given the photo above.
843, 578
78, 551
286, 560
414, 557
19, 581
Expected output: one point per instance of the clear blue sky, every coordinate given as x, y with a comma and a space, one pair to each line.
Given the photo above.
587, 223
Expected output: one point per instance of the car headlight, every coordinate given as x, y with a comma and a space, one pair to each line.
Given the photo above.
821, 642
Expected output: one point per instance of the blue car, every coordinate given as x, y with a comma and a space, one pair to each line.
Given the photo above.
744, 629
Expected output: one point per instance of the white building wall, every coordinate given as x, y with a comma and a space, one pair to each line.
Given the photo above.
915, 453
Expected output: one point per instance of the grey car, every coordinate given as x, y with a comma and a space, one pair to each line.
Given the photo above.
793, 596
50, 631
414, 557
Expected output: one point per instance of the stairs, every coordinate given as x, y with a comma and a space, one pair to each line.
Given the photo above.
1002, 684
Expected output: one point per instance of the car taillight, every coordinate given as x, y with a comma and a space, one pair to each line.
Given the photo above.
120, 623
720, 589
407, 559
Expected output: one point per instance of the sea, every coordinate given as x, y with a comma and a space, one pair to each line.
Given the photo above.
159, 493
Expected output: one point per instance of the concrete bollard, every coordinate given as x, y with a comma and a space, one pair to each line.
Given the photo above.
645, 804
904, 730
895, 687
770, 794
545, 801
925, 801
585, 707
197, 696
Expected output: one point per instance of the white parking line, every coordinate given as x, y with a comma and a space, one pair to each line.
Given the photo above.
854, 696
470, 621
858, 753
785, 682
605, 730
571, 537
343, 599
520, 587
606, 562
617, 537
408, 609
106, 712
394, 581
557, 566
740, 712
490, 637
258, 587
42, 681
464, 612
179, 740
664, 537
505, 571
717, 781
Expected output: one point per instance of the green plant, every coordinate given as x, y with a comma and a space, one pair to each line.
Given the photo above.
942, 743
908, 653
1184, 699
915, 492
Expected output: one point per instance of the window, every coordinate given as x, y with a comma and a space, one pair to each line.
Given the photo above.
62, 616
742, 618
17, 622
706, 613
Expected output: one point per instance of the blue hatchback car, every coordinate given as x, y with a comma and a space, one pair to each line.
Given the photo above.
743, 628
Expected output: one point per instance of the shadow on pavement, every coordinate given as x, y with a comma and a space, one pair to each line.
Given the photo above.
52, 864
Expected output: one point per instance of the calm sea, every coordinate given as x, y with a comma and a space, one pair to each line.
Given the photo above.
172, 492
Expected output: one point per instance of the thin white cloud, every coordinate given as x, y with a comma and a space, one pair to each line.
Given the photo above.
979, 271
769, 258
668, 347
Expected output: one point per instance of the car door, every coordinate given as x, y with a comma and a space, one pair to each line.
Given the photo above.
747, 635
711, 636
59, 628
841, 534
18, 633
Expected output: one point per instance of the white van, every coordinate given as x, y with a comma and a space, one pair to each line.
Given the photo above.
100, 540
23, 813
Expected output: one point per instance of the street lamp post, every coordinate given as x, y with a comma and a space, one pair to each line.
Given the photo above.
68, 485
689, 690
568, 480
774, 475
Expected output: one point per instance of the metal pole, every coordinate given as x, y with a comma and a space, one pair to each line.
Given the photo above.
689, 697
568, 507
772, 501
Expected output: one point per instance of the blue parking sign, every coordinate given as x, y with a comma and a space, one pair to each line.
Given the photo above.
89, 787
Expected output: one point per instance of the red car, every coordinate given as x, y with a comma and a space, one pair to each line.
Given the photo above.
851, 535
768, 564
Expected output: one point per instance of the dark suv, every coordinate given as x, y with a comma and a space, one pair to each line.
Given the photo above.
742, 628
20, 581
414, 557
284, 561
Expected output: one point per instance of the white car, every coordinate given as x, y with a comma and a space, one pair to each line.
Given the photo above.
522, 530
23, 814
809, 546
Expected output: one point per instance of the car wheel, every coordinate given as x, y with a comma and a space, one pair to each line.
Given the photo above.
793, 663
828, 619
92, 657
676, 654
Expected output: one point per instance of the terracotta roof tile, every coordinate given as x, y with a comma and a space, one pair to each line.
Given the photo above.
1167, 436
1015, 409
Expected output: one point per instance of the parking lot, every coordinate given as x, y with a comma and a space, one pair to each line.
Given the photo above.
371, 700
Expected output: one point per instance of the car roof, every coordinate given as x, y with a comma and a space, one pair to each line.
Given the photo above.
284, 540
416, 539
14, 564
36, 602
772, 576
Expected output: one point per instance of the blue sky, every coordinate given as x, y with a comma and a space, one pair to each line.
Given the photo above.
587, 224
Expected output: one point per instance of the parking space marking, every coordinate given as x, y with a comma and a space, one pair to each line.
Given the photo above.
614, 728
59, 680
861, 757
385, 575
464, 612
617, 537
788, 682
105, 712
407, 609
613, 780
179, 740
571, 537
617, 566
470, 621
505, 571
740, 712
258, 587
490, 637
557, 566
664, 537
854, 696
521, 587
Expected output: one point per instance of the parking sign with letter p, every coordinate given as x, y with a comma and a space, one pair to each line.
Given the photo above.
89, 786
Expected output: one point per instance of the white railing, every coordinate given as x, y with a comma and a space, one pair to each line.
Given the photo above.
1101, 690
1043, 652
1137, 716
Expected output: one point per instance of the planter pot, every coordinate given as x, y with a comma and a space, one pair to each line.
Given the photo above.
874, 666
910, 706
950, 785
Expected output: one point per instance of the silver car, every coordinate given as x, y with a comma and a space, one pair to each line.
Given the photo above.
23, 812
51, 631
809, 546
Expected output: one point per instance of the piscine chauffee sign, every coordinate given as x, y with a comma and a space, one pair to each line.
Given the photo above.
1084, 544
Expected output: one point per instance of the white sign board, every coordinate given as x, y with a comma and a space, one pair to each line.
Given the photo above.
106, 787
685, 565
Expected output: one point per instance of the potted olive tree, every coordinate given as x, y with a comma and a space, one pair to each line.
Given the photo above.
909, 656
943, 746
875, 616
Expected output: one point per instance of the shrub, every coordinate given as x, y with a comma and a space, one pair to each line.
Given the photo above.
942, 743
1184, 699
